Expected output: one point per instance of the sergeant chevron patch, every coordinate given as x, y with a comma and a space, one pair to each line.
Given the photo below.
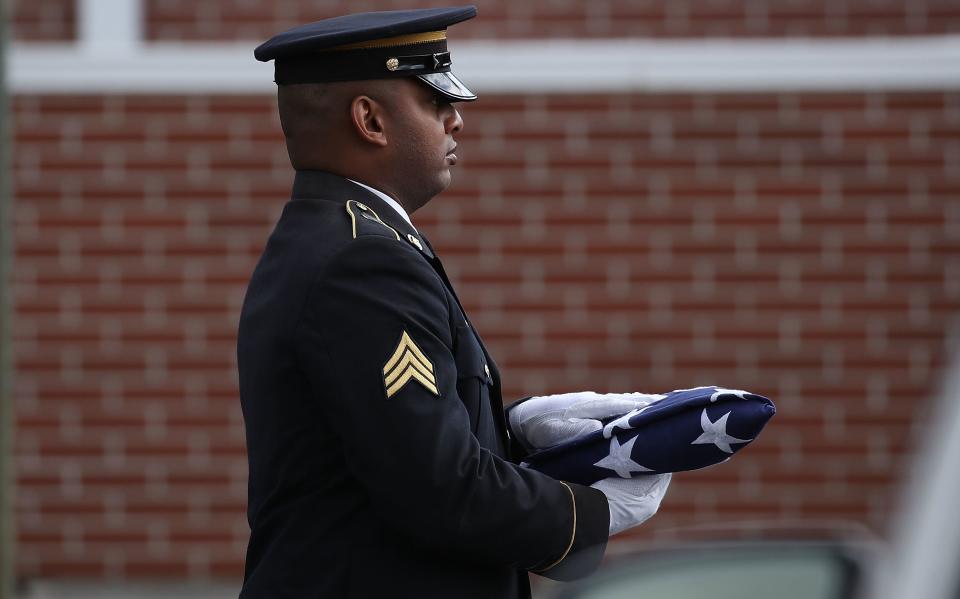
408, 363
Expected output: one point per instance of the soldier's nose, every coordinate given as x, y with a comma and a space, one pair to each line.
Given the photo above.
455, 123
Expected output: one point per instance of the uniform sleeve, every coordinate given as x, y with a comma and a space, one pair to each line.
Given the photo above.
375, 341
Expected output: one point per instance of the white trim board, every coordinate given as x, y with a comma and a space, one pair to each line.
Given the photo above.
550, 66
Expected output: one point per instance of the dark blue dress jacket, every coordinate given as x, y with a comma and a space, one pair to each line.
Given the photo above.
380, 461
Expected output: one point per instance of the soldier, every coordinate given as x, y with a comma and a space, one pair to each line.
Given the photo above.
381, 463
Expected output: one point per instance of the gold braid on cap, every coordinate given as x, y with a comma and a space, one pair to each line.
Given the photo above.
399, 40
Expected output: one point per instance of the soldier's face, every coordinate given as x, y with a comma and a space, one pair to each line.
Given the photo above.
424, 127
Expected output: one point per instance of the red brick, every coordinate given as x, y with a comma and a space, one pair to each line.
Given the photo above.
44, 20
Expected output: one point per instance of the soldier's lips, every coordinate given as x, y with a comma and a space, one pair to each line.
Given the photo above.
451, 157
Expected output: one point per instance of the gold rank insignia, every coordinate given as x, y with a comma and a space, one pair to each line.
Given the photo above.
408, 363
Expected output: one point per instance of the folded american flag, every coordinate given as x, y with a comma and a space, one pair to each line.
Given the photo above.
685, 429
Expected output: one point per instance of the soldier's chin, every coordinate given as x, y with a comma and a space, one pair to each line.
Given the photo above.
445, 178
430, 188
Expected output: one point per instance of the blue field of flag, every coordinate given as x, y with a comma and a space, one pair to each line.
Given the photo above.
685, 430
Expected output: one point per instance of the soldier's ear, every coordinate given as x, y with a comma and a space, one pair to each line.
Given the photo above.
367, 116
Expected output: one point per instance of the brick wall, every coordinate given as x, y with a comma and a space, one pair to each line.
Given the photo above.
43, 20
803, 246
242, 19
800, 245
246, 20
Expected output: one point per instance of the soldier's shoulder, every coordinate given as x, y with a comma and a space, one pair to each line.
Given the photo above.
322, 231
324, 223
364, 221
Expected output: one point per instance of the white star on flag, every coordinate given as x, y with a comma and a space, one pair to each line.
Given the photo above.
620, 460
623, 422
716, 433
721, 391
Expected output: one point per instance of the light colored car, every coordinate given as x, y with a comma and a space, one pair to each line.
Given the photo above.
730, 570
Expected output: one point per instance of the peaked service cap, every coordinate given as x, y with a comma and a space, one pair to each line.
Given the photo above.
371, 45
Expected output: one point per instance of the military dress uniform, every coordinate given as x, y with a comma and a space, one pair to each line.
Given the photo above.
380, 461
379, 456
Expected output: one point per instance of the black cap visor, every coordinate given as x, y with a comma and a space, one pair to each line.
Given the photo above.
449, 85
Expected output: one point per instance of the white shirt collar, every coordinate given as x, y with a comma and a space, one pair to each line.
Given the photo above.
390, 201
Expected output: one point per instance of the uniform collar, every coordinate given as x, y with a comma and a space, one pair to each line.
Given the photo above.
328, 186
390, 201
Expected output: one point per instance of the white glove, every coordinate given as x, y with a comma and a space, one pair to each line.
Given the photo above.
633, 500
545, 421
